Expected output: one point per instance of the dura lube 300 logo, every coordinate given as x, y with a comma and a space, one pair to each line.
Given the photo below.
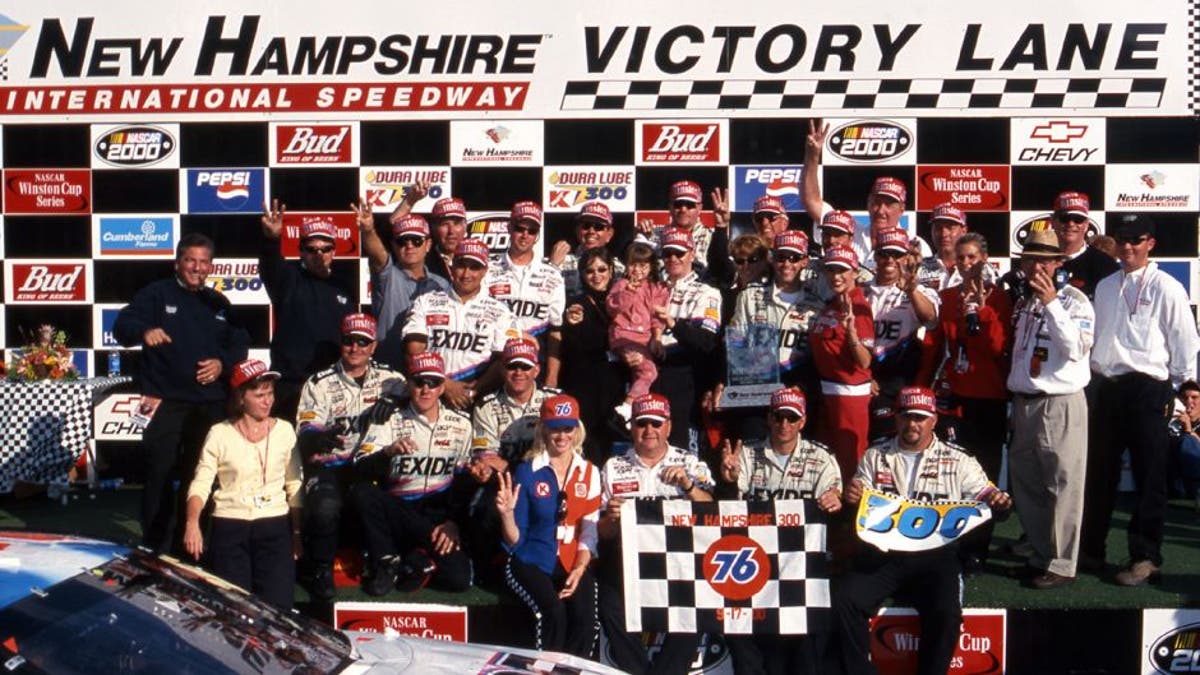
134, 146
870, 141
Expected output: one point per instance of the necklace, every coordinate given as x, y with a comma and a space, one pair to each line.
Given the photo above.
265, 431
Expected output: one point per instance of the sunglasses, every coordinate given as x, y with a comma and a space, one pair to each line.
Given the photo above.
318, 250
593, 225
1132, 240
683, 204
1078, 220
472, 265
426, 382
648, 423
523, 367
414, 242
673, 253
788, 417
752, 260
523, 229
788, 257
356, 341
889, 254
596, 270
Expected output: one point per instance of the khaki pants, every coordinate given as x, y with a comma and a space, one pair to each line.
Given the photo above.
1048, 464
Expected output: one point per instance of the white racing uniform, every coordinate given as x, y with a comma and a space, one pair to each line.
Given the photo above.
466, 334
807, 473
534, 293
330, 397
442, 447
504, 426
941, 471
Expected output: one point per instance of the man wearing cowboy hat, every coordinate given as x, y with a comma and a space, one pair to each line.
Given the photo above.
1047, 454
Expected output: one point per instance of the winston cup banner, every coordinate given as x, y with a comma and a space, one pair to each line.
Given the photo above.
617, 59
724, 567
892, 523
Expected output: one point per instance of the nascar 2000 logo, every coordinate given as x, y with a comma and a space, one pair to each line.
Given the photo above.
568, 187
869, 141
135, 146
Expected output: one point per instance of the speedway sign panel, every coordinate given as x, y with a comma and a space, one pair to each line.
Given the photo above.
624, 58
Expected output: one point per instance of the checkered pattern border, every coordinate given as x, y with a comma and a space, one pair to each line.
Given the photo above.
665, 582
46, 427
1194, 55
867, 94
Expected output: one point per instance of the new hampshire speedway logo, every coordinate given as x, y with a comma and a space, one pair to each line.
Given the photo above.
10, 32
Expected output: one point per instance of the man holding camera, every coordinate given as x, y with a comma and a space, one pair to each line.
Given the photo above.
1047, 453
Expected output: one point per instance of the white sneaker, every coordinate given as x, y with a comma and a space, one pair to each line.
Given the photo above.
625, 410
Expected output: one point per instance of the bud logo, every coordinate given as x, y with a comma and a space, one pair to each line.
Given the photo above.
48, 281
232, 190
751, 182
683, 142
970, 188
385, 187
870, 141
132, 147
1042, 220
343, 223
569, 187
334, 144
135, 236
38, 191
1058, 141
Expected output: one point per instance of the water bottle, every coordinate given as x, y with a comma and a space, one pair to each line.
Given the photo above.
972, 315
110, 483
114, 363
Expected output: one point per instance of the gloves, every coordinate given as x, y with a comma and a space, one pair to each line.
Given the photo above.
318, 440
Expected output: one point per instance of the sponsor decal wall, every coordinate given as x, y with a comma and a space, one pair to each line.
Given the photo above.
1170, 641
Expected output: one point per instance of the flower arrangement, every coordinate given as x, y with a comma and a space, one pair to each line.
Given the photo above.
46, 357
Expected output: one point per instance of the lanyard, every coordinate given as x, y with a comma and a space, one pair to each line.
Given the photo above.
1132, 307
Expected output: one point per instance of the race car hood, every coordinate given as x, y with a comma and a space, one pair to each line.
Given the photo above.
29, 560
392, 652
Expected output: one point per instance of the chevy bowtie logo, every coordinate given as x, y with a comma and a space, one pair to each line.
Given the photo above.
1059, 131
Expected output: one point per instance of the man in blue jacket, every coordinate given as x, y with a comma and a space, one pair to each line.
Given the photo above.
189, 344
309, 303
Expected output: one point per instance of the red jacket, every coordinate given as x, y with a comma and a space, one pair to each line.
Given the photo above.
827, 340
976, 366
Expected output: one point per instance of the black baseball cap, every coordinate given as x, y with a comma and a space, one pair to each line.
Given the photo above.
1135, 225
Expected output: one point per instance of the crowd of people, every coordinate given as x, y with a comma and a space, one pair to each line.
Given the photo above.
487, 418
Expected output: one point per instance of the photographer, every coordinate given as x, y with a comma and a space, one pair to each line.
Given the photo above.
1047, 457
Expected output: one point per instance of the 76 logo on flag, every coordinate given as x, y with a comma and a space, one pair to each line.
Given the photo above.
736, 567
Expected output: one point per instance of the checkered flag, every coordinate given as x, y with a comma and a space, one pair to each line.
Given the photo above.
727, 567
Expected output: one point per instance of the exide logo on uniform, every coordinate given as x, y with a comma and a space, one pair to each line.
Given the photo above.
320, 144
35, 282
134, 146
225, 190
683, 142
876, 141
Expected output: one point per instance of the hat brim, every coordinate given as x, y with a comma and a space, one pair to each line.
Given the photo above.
1041, 255
594, 218
676, 247
947, 219
886, 193
1073, 212
659, 418
840, 264
686, 198
892, 247
560, 424
790, 249
837, 228
790, 408
481, 261
321, 235
916, 411
522, 359
361, 333
430, 373
772, 212
444, 216
524, 219
261, 377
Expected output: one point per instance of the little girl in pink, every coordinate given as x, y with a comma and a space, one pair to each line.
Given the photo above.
635, 329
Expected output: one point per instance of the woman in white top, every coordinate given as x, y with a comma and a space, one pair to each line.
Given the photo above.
254, 537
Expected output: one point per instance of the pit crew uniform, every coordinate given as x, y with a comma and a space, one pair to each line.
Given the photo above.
628, 477
534, 293
466, 334
930, 580
696, 308
416, 492
897, 348
334, 406
807, 473
845, 387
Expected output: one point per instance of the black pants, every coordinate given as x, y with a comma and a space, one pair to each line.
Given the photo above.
560, 625
778, 654
627, 649
981, 430
677, 383
931, 581
1130, 412
256, 555
396, 527
325, 490
171, 443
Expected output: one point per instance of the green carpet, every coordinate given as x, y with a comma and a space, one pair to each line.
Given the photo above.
112, 515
